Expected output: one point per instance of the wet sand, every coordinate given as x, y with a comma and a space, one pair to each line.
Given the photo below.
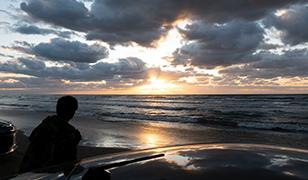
145, 134
101, 137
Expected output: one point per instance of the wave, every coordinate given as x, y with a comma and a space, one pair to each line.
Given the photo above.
142, 117
15, 105
172, 108
260, 112
272, 126
291, 127
162, 107
153, 101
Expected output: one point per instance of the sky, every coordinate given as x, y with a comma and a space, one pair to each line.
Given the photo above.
154, 46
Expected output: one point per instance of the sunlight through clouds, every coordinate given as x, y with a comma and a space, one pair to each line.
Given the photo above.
191, 46
154, 57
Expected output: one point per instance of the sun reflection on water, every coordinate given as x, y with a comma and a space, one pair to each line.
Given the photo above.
151, 140
151, 137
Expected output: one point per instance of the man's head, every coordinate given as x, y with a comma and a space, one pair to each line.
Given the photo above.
66, 107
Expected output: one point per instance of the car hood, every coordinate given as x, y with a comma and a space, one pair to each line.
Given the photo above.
202, 161
6, 127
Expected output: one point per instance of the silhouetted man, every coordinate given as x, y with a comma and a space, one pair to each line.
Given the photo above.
54, 141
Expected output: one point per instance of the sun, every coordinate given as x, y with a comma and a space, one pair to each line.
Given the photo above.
157, 83
157, 86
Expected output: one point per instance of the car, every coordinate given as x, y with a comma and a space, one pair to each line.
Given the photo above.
199, 161
7, 137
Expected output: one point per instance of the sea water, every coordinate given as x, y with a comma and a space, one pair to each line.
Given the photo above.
263, 112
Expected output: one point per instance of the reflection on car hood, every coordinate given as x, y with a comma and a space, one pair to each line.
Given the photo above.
6, 127
207, 161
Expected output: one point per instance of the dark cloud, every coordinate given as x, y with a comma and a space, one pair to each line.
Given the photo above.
293, 23
5, 55
10, 83
23, 43
225, 10
141, 21
31, 64
125, 38
264, 46
32, 29
289, 64
129, 68
63, 50
67, 13
219, 44
47, 84
21, 46
119, 21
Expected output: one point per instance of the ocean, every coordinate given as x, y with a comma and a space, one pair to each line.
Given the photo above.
284, 113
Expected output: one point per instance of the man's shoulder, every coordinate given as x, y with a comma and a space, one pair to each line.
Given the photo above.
55, 122
45, 129
50, 118
50, 122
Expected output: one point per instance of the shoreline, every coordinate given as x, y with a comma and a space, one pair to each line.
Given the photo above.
104, 137
143, 135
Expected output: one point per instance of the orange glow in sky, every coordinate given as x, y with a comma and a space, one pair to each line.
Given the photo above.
157, 86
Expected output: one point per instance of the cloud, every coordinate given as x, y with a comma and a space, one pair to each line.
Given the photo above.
293, 63
110, 21
214, 45
125, 37
143, 22
10, 83
32, 29
139, 21
67, 13
48, 84
64, 50
293, 23
223, 34
31, 64
129, 68
5, 55
225, 10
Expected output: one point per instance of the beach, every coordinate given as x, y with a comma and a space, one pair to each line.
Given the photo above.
142, 135
103, 137
10, 162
